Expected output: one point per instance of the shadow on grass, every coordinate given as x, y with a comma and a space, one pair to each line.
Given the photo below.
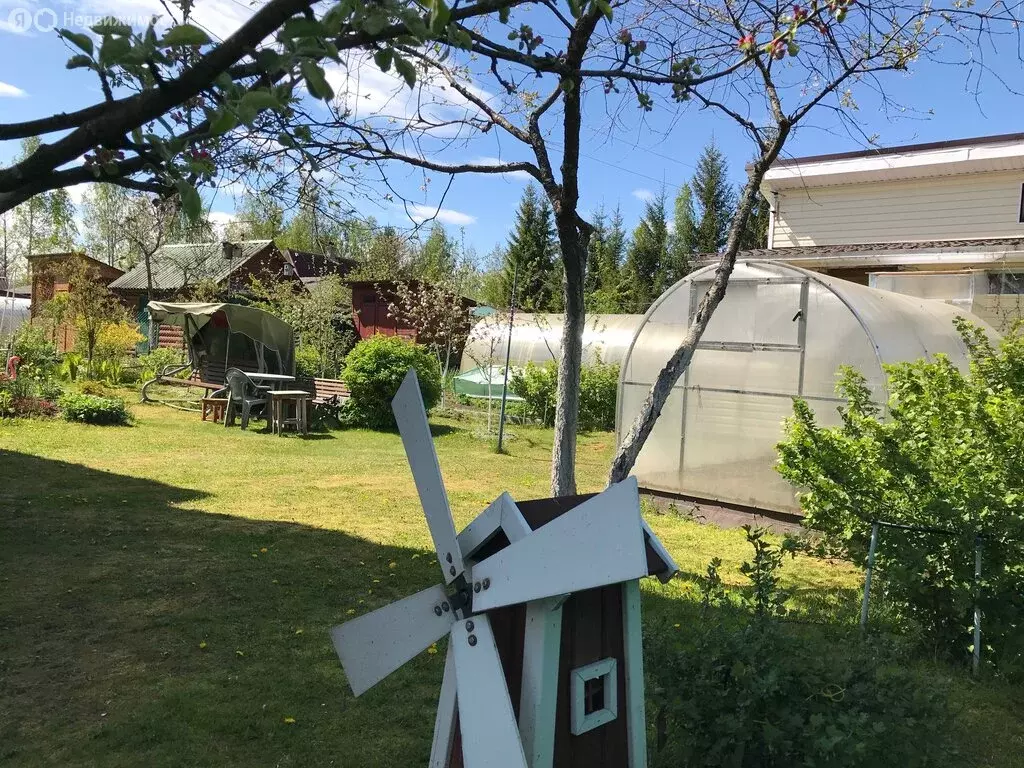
136, 632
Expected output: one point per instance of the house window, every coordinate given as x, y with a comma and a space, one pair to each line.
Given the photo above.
593, 696
1000, 283
1020, 216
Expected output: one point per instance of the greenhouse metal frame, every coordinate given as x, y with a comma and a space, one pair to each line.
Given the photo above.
780, 332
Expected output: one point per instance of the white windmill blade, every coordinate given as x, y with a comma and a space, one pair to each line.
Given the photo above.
487, 722
376, 644
597, 543
411, 416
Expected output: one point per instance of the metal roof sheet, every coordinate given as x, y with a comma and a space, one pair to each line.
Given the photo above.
175, 266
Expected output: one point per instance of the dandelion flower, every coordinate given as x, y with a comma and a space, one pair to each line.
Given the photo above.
432, 649
350, 611
290, 720
202, 645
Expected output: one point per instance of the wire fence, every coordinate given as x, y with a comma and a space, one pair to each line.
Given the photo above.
878, 525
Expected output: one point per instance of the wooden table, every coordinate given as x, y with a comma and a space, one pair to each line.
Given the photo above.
279, 419
274, 380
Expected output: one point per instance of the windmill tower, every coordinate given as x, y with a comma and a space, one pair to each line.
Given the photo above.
541, 603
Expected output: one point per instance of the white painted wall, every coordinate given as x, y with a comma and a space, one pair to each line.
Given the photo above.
965, 206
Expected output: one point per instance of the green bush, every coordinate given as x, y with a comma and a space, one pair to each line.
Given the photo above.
308, 363
538, 385
949, 454
154, 363
91, 409
373, 372
35, 349
733, 685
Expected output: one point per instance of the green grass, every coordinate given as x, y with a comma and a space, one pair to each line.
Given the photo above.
166, 591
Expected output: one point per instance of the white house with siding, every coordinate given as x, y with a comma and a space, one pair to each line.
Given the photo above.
943, 220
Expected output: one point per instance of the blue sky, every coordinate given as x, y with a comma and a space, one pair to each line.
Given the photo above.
619, 167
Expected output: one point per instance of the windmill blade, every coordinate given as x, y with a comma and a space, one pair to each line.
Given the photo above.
411, 417
597, 543
375, 645
487, 723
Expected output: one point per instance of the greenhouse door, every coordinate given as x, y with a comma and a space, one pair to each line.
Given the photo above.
739, 388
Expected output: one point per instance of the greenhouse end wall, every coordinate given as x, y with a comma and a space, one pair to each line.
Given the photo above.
781, 332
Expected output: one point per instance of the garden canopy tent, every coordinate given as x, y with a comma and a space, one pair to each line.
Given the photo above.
484, 382
239, 336
781, 332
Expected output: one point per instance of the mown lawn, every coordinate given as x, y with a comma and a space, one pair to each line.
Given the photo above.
166, 591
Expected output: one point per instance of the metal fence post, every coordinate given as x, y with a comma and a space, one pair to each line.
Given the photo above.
867, 576
976, 660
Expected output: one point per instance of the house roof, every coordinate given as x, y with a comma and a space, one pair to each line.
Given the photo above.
978, 251
174, 266
910, 161
9, 287
109, 269
903, 148
310, 268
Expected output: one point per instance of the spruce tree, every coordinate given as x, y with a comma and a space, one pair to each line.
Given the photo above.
607, 245
715, 200
531, 256
645, 263
684, 237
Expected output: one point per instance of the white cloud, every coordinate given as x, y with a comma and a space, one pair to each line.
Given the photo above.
220, 221
643, 194
11, 91
421, 213
366, 93
517, 175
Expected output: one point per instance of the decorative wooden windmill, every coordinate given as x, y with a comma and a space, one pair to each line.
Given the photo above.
541, 603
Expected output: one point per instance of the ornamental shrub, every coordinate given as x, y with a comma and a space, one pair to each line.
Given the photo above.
599, 384
308, 363
733, 685
374, 370
91, 409
948, 453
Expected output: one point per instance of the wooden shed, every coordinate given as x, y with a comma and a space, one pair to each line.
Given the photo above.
47, 282
371, 308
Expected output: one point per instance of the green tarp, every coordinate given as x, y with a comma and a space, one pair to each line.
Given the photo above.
215, 323
474, 383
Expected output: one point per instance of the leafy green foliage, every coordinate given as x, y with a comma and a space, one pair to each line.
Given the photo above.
538, 384
153, 364
715, 200
34, 347
375, 369
307, 362
91, 409
949, 454
728, 690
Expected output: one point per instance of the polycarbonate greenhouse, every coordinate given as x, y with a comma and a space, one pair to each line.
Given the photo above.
781, 332
537, 338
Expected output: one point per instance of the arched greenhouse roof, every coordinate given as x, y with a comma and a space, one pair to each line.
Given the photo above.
537, 338
780, 332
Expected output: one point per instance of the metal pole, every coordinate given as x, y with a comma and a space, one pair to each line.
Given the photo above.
976, 660
867, 577
508, 354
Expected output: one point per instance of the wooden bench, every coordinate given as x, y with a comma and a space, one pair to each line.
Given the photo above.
324, 390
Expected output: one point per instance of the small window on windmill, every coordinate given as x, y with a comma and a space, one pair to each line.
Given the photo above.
593, 696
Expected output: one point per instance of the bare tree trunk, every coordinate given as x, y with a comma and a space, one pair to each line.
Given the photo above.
567, 398
633, 441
